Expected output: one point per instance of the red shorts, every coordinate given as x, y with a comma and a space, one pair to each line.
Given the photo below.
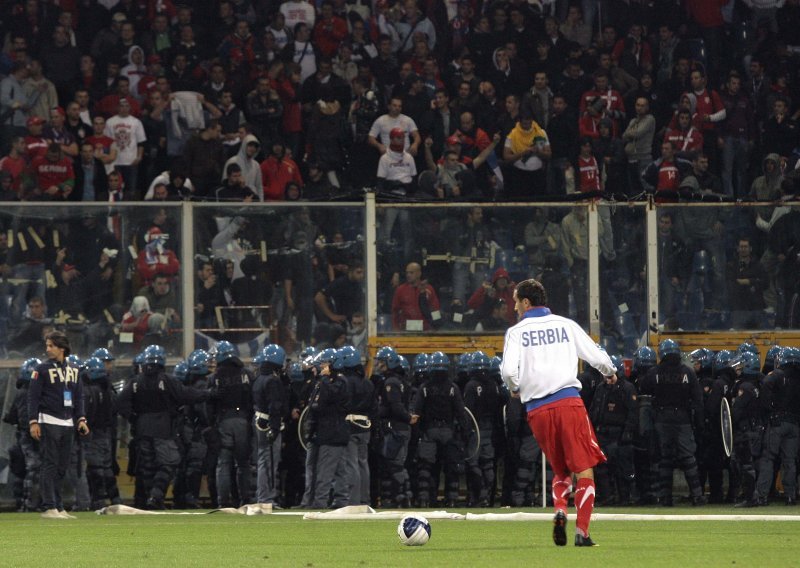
566, 436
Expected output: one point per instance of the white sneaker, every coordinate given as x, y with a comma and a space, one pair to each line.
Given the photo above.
65, 515
52, 514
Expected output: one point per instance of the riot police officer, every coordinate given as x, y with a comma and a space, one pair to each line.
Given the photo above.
99, 444
151, 403
302, 378
678, 404
439, 407
270, 407
353, 475
329, 404
613, 414
194, 424
748, 428
714, 460
231, 410
321, 360
485, 398
645, 454
781, 394
395, 418
27, 448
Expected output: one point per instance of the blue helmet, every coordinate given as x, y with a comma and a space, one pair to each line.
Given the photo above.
181, 372
103, 354
494, 365
772, 354
326, 356
617, 361
296, 372
198, 362
404, 364
789, 356
389, 356
271, 353
421, 363
309, 351
644, 357
155, 355
307, 357
479, 361
75, 361
138, 359
723, 360
347, 357
668, 347
28, 367
439, 362
704, 357
463, 362
751, 364
225, 350
747, 347
96, 369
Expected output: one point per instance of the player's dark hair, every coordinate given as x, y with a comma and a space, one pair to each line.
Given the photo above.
533, 291
60, 340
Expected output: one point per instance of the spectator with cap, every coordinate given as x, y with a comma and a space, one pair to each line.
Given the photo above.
396, 167
35, 143
109, 104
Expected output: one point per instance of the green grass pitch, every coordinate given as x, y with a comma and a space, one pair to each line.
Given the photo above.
273, 540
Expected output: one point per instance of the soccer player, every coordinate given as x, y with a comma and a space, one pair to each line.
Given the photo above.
540, 366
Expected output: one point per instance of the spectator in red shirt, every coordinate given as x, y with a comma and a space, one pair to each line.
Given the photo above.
589, 180
14, 163
52, 175
500, 288
155, 258
108, 105
35, 143
685, 137
613, 105
329, 31
474, 140
105, 149
415, 304
277, 171
710, 111
665, 173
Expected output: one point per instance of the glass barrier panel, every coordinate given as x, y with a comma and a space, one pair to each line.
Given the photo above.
108, 276
622, 235
287, 274
728, 267
452, 269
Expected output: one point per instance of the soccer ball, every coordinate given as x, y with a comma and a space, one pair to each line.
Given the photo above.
414, 530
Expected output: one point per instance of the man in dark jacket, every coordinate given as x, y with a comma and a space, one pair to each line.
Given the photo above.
55, 409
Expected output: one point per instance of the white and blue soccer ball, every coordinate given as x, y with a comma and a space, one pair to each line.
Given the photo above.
414, 530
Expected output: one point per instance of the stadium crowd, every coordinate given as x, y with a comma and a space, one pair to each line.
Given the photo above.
320, 433
244, 101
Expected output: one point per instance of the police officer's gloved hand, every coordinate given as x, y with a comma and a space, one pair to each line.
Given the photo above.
627, 437
270, 436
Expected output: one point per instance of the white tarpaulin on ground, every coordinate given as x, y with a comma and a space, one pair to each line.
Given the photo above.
365, 512
249, 510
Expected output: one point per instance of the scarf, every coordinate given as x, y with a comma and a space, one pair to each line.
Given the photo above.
522, 139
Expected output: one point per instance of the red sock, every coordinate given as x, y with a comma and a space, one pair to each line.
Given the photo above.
584, 503
562, 487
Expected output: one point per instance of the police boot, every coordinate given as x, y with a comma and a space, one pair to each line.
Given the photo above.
154, 504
